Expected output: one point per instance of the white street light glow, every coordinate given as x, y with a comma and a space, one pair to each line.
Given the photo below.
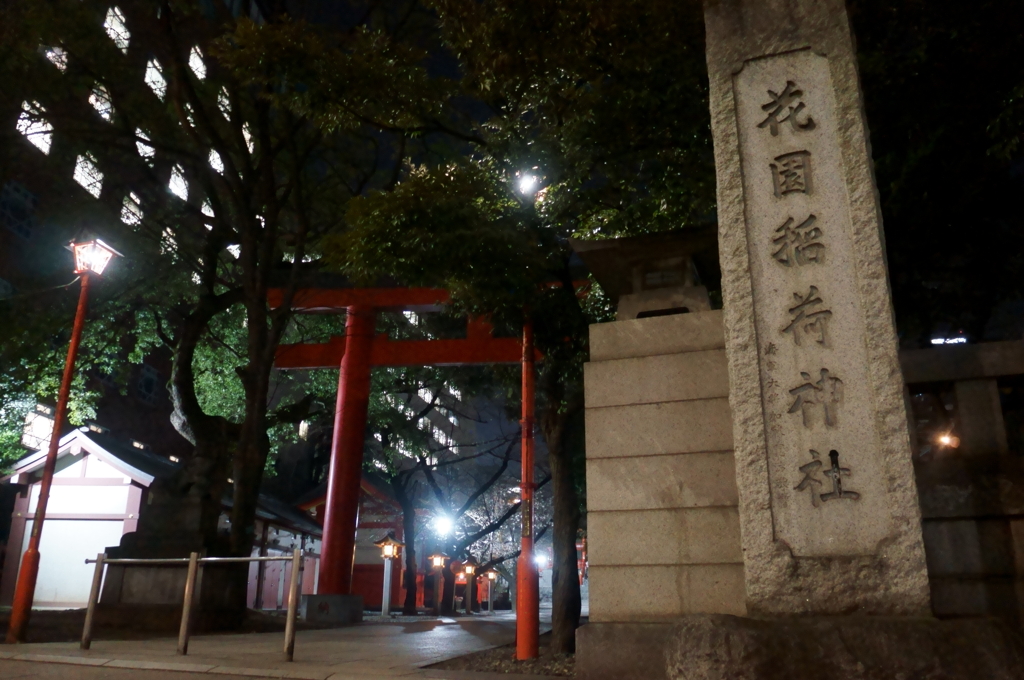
527, 184
443, 525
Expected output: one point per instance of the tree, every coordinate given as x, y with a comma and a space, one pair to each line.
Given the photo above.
223, 195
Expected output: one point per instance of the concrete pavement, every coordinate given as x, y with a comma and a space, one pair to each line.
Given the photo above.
388, 650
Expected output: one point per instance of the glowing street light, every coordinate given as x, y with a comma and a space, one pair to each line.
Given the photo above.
528, 184
91, 257
541, 561
443, 525
390, 549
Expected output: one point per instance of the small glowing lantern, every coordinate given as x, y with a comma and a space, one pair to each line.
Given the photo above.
389, 547
492, 575
470, 565
92, 257
437, 560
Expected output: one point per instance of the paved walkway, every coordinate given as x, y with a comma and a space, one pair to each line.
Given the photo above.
369, 650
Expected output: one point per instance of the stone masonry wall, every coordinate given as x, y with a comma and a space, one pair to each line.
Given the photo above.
663, 527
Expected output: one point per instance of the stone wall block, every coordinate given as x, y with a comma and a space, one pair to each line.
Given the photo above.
648, 380
658, 429
656, 593
656, 336
685, 480
680, 536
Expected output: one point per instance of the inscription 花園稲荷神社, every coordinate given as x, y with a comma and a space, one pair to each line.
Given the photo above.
834, 472
798, 244
809, 317
825, 392
786, 106
791, 173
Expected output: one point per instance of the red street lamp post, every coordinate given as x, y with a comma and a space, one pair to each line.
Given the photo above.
91, 257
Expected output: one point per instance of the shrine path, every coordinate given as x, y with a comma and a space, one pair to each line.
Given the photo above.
369, 650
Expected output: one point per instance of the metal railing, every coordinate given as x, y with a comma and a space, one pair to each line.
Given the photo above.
195, 564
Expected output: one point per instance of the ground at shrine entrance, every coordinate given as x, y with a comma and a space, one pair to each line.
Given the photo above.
370, 650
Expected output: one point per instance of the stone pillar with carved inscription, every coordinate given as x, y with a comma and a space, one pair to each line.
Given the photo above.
827, 499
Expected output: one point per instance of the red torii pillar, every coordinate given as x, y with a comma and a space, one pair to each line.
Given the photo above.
527, 586
337, 554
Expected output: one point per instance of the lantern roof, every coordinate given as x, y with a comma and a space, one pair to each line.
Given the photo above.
389, 540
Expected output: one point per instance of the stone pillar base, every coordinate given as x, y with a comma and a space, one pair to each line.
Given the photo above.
339, 609
721, 647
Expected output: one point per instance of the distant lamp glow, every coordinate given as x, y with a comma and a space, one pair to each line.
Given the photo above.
949, 440
443, 525
492, 575
92, 256
527, 184
437, 560
541, 561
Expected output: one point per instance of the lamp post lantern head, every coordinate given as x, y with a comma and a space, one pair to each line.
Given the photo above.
93, 256
389, 547
470, 565
492, 575
437, 560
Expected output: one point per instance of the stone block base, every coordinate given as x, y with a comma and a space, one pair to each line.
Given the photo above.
722, 647
340, 609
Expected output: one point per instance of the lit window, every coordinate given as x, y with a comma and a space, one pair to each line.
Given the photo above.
195, 62
35, 128
216, 163
100, 100
155, 78
131, 211
178, 185
56, 56
145, 150
118, 32
224, 103
88, 175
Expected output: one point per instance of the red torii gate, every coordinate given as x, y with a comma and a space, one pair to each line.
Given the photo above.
356, 352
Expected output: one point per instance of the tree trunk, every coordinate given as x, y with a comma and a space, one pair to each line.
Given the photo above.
565, 596
448, 597
409, 529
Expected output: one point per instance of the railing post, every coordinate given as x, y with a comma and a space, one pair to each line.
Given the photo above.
94, 595
186, 606
293, 605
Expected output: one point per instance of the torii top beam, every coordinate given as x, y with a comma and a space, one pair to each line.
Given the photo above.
479, 347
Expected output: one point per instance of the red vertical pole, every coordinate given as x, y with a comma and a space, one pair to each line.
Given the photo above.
527, 591
25, 590
342, 512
